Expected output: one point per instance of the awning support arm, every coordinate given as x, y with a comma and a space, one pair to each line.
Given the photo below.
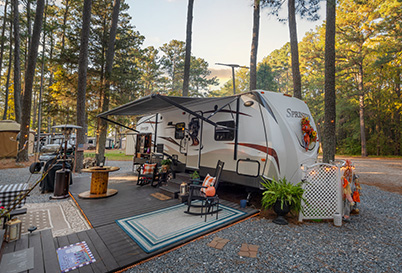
187, 110
221, 108
237, 129
109, 120
146, 120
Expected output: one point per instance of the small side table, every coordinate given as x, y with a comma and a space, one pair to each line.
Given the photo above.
99, 182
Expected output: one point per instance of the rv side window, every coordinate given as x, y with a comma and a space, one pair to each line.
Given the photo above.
179, 130
225, 131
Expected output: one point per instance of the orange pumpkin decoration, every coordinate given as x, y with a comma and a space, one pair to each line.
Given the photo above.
356, 196
210, 191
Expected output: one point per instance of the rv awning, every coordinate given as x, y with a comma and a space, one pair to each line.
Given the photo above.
157, 103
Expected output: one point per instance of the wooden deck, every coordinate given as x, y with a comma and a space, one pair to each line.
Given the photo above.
113, 249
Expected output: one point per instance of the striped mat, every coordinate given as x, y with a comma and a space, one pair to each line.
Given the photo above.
155, 230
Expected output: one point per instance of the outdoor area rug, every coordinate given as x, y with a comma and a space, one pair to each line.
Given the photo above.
158, 229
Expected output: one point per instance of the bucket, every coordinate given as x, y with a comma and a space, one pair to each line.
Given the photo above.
243, 203
337, 219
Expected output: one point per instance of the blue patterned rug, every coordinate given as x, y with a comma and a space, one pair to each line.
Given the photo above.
158, 229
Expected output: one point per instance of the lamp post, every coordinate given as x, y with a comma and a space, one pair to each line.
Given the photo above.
233, 66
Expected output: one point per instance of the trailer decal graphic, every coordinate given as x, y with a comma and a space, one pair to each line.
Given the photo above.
263, 149
227, 111
171, 140
303, 144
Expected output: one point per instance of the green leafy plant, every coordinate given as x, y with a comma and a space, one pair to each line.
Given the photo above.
166, 162
195, 175
284, 191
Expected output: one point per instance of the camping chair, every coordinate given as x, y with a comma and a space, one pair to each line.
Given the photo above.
200, 198
147, 173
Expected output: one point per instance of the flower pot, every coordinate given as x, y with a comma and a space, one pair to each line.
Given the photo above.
281, 211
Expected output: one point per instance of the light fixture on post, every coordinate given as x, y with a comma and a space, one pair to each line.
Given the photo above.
13, 230
233, 66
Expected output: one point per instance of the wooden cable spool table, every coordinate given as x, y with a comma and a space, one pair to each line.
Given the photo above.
99, 181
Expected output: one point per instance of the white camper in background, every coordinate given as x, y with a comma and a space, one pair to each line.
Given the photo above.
256, 134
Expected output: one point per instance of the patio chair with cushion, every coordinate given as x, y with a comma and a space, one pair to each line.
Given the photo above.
147, 173
202, 199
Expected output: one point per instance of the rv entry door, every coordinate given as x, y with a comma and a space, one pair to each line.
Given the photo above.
194, 142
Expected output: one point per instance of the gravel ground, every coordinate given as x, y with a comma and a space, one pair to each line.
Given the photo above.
371, 242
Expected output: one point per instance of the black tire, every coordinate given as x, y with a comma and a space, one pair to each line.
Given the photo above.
35, 167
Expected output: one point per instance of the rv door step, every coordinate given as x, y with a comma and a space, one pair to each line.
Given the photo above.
171, 190
180, 178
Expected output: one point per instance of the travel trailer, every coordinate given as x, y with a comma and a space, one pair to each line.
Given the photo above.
256, 134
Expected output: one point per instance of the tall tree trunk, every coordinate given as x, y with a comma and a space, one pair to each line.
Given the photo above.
329, 140
254, 46
397, 122
17, 68
29, 31
34, 107
294, 49
63, 33
398, 127
361, 112
29, 78
3, 30
82, 83
102, 75
187, 60
101, 141
10, 62
29, 21
42, 72
51, 57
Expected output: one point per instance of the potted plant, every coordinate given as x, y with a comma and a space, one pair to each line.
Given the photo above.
283, 197
166, 164
194, 175
195, 178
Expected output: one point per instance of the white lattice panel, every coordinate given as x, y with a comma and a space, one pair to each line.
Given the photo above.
322, 192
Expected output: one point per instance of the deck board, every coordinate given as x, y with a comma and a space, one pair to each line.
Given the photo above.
49, 252
21, 244
97, 266
103, 251
130, 200
73, 239
119, 250
112, 248
35, 242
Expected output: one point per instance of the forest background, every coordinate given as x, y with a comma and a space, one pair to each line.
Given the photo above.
368, 69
